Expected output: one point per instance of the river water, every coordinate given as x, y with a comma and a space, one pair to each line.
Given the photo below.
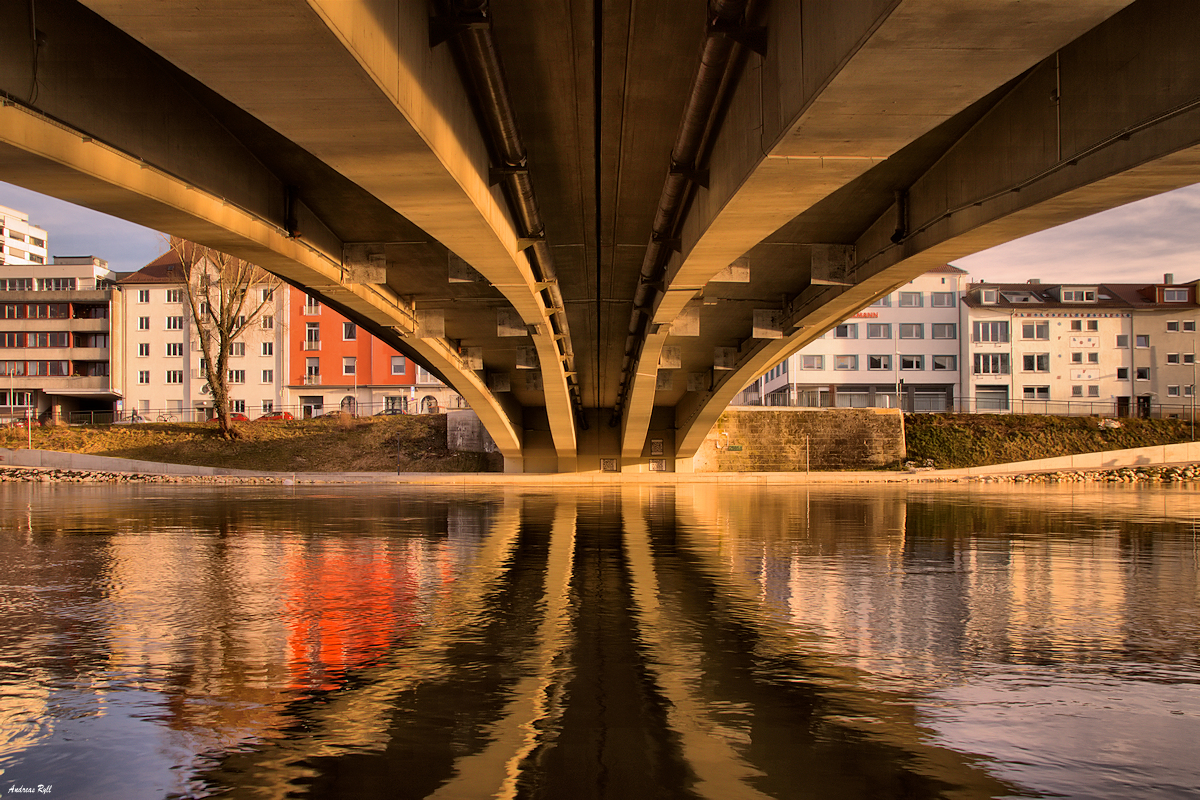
718, 642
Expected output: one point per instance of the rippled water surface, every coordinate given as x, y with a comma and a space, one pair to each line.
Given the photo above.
721, 642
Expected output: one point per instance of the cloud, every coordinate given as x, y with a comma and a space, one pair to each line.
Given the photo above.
1131, 244
72, 230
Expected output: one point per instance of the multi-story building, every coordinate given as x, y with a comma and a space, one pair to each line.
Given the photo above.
902, 351
58, 328
1087, 348
22, 243
163, 364
337, 366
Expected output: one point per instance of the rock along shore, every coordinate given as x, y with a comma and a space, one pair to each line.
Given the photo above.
51, 475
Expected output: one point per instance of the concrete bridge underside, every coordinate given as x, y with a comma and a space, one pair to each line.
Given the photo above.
598, 223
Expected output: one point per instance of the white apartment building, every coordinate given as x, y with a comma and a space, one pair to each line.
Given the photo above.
903, 350
57, 333
1081, 348
20, 242
163, 364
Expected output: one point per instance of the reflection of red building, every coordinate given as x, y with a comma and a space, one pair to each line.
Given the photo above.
335, 365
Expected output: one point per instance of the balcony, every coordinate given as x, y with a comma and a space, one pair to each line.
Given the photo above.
310, 346
312, 380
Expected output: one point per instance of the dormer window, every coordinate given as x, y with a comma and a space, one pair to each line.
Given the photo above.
1078, 295
988, 296
1175, 295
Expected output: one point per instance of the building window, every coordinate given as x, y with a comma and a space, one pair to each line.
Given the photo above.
941, 299
947, 363
1188, 391
1093, 358
1037, 392
237, 348
143, 323
1173, 325
991, 331
1035, 362
398, 365
1142, 340
1077, 391
174, 323
268, 406
349, 331
879, 362
268, 376
812, 362
944, 330
883, 302
143, 349
268, 349
1076, 324
312, 305
237, 376
1076, 358
1189, 358
1122, 373
268, 294
348, 365
1122, 340
911, 300
1189, 325
991, 363
174, 295
988, 296
312, 336
1175, 295
879, 330
912, 330
1035, 330
237, 406
174, 376
1143, 373
1078, 295
847, 331
268, 322
1093, 391
912, 362
1172, 391
144, 376
1172, 358
312, 370
174, 349
845, 362
143, 296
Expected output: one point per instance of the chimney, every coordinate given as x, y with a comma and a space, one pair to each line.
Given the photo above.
1169, 278
1035, 281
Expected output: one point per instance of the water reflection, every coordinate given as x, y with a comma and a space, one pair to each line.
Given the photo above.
636, 642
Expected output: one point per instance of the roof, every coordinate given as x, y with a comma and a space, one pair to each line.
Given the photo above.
1045, 295
164, 269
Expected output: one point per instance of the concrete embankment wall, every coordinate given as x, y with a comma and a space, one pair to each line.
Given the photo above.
802, 439
52, 459
1155, 455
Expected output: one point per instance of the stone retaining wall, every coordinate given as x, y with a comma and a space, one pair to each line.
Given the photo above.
803, 439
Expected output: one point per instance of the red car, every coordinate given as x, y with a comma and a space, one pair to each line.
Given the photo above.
275, 416
234, 416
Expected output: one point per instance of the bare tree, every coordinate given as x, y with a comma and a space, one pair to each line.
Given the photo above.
221, 292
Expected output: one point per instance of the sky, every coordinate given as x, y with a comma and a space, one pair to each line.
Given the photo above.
1135, 243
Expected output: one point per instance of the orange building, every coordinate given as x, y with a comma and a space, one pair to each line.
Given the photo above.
335, 365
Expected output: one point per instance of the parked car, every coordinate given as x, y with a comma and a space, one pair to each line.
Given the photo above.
275, 416
388, 412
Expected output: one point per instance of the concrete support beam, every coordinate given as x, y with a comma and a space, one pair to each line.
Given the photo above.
842, 88
356, 84
1056, 148
54, 159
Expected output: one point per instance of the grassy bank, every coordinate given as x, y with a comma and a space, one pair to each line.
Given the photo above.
971, 440
370, 444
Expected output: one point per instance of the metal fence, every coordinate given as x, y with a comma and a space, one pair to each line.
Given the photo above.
934, 402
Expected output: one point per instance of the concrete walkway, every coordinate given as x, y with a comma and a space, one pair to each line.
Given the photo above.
1160, 455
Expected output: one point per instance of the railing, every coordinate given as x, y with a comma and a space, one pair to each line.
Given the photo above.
933, 402
312, 345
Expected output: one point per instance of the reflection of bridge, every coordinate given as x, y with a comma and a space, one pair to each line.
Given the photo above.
712, 191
